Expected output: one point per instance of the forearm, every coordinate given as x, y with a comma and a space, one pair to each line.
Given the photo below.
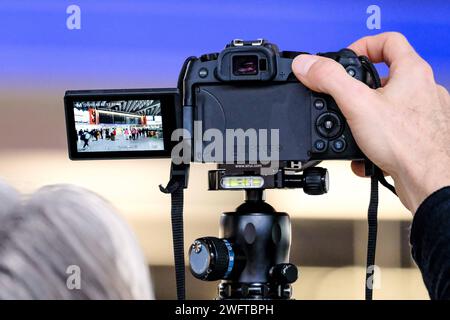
430, 240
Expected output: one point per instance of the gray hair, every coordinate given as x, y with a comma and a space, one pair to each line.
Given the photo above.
8, 199
62, 232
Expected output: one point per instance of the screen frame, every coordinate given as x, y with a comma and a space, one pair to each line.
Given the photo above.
169, 98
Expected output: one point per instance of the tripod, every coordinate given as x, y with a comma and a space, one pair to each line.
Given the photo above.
251, 256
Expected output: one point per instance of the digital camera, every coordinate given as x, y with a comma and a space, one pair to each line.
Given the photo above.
250, 85
223, 101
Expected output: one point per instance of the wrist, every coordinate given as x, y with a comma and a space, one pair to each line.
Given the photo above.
418, 181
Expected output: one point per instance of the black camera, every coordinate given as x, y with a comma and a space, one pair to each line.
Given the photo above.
242, 105
250, 86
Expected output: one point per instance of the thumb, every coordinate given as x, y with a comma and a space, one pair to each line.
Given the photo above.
327, 76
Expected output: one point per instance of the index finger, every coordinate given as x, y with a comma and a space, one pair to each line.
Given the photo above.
388, 47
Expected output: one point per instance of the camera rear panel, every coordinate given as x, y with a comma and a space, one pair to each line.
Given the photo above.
283, 106
249, 86
310, 125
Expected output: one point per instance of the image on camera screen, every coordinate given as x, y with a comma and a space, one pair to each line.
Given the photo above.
125, 125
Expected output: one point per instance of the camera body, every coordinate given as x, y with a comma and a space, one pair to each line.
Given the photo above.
250, 86
242, 107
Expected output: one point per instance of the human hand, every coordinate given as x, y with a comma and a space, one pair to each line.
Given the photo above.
404, 126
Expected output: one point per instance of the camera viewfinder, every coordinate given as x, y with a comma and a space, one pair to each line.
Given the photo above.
245, 65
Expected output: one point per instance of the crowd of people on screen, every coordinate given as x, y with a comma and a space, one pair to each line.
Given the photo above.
129, 133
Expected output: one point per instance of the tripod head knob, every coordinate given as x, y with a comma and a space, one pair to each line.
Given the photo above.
211, 258
284, 273
315, 181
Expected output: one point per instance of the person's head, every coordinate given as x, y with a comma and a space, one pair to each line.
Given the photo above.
65, 237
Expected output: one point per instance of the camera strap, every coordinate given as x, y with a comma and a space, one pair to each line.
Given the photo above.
372, 223
376, 175
179, 175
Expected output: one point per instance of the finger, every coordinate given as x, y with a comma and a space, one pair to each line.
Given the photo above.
442, 90
384, 81
326, 75
358, 168
403, 61
388, 47
443, 94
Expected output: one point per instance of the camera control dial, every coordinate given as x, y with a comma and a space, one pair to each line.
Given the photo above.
329, 125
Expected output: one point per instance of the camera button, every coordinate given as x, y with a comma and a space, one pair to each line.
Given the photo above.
339, 145
203, 73
319, 145
329, 125
319, 104
209, 57
351, 72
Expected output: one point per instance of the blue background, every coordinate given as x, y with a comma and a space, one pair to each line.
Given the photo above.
143, 43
